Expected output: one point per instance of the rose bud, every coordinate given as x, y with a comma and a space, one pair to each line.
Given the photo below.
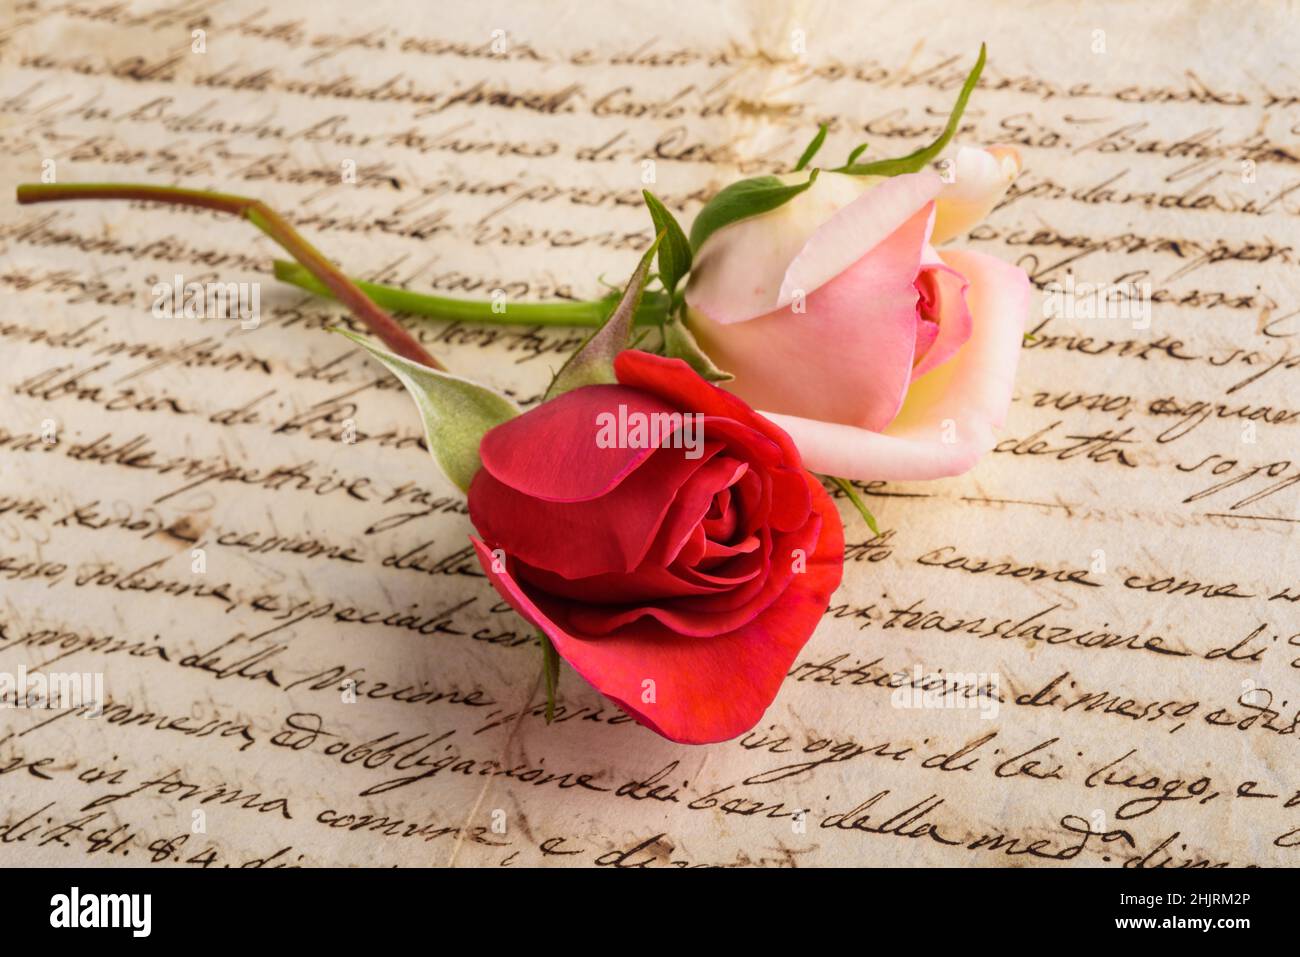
678, 563
882, 356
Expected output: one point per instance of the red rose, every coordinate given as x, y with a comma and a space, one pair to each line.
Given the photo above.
679, 572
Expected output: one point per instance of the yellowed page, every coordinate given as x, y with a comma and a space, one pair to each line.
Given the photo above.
231, 529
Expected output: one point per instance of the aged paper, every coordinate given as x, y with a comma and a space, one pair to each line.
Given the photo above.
235, 531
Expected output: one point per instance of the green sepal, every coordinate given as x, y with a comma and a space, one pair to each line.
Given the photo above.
456, 412
918, 160
811, 149
593, 362
847, 488
679, 342
749, 197
675, 250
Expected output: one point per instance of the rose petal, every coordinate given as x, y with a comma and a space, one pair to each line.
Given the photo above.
704, 615
569, 466
945, 288
692, 503
646, 583
856, 230
926, 332
972, 392
673, 381
737, 273
705, 689
981, 178
848, 357
611, 533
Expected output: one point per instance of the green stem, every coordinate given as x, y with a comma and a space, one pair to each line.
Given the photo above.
845, 486
589, 313
314, 263
551, 666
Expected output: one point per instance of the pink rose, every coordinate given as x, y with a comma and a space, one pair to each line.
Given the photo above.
882, 356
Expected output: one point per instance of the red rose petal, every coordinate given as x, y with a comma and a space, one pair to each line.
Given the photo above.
611, 533
692, 504
705, 689
677, 383
569, 466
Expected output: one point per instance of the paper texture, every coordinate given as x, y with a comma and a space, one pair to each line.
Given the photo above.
301, 662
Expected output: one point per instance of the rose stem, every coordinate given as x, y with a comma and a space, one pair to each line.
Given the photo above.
380, 323
590, 313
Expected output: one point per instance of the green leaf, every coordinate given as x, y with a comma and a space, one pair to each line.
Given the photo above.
918, 160
675, 250
857, 151
680, 343
811, 149
456, 412
593, 362
551, 665
749, 197
847, 488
